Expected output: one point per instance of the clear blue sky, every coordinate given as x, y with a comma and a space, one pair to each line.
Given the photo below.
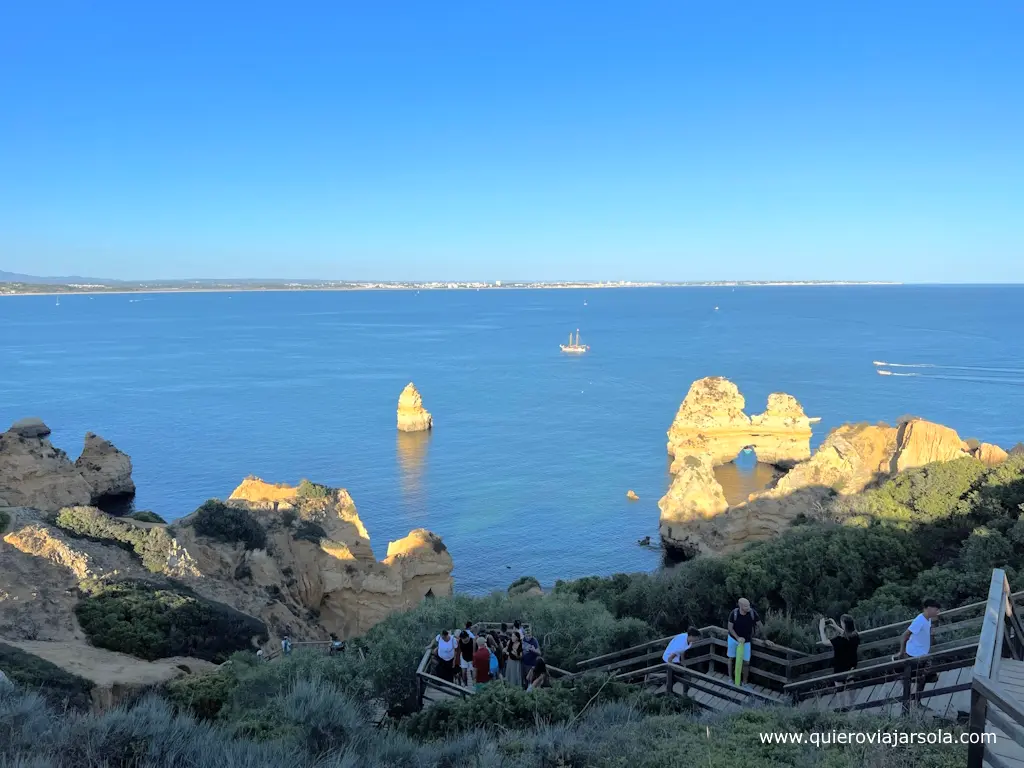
534, 140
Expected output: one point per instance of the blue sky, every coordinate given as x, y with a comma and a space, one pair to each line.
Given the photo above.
527, 140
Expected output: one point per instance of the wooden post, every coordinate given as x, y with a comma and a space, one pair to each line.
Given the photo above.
979, 713
419, 691
670, 680
908, 677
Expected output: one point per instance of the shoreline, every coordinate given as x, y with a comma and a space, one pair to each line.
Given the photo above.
367, 288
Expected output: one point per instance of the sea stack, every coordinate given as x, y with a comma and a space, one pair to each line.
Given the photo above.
412, 416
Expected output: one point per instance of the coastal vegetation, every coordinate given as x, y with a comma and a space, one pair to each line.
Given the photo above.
152, 621
145, 516
152, 545
61, 690
229, 524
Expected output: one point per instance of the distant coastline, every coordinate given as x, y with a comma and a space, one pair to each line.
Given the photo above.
217, 286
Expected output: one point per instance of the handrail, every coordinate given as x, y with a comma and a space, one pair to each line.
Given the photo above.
945, 614
707, 633
873, 670
692, 673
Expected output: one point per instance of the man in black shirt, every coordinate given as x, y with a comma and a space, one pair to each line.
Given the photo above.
744, 623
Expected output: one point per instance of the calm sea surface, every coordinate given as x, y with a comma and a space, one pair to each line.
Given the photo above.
532, 452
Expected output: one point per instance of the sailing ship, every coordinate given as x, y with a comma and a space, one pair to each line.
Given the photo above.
574, 347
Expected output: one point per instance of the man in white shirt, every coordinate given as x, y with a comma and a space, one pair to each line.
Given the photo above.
446, 648
679, 645
917, 640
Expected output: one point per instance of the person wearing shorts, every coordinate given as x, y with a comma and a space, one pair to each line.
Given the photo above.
744, 623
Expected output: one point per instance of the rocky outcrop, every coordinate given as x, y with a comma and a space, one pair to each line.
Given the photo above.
318, 573
695, 517
1017, 450
920, 442
693, 498
711, 420
412, 416
33, 473
107, 470
631, 495
41, 567
990, 455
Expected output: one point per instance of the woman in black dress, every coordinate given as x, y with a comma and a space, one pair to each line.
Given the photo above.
845, 642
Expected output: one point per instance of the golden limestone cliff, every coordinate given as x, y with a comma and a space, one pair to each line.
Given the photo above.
318, 565
694, 516
316, 575
711, 420
412, 416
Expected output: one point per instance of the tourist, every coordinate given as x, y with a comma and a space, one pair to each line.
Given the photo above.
744, 623
259, 655
845, 641
446, 648
517, 627
531, 654
481, 664
469, 630
538, 677
466, 657
495, 668
917, 642
286, 645
679, 645
514, 663
337, 646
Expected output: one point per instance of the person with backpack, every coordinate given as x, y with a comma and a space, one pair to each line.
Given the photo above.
744, 623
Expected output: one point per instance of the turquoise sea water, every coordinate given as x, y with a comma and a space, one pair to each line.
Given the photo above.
532, 452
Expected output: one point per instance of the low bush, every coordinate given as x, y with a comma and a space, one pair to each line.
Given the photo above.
522, 585
316, 726
230, 524
145, 516
153, 622
62, 689
309, 490
152, 545
511, 708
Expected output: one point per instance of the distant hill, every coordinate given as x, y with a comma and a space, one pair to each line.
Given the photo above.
15, 277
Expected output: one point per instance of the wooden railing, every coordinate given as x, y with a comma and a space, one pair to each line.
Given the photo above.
691, 679
991, 702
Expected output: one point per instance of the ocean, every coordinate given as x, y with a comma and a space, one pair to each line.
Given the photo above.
532, 453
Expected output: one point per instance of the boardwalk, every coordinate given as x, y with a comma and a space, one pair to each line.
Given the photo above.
1011, 676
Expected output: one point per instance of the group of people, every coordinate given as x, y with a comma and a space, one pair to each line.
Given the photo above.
744, 624
508, 654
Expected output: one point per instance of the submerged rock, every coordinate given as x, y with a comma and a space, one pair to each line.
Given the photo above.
412, 416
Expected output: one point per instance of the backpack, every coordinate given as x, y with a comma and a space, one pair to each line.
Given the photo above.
494, 665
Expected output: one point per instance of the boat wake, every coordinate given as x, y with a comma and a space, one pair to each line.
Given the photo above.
979, 368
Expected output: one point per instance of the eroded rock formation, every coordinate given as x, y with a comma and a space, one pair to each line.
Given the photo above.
318, 573
107, 470
989, 454
920, 442
412, 416
711, 420
709, 430
34, 473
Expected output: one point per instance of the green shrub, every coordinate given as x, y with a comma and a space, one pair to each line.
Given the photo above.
522, 585
230, 524
33, 673
308, 490
508, 707
152, 545
153, 622
145, 516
